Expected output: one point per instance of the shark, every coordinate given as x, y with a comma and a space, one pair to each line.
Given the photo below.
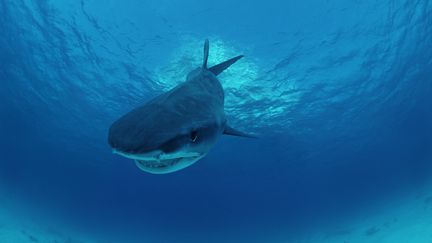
176, 129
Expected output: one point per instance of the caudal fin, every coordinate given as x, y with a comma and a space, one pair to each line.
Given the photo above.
217, 69
206, 53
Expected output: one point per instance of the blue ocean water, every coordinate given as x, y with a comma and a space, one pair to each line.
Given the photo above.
338, 92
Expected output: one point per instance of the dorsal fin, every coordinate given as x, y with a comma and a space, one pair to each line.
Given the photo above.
217, 69
233, 132
206, 53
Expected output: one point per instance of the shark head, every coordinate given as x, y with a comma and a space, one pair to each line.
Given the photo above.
176, 128
161, 141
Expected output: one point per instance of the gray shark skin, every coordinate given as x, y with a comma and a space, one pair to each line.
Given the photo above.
177, 128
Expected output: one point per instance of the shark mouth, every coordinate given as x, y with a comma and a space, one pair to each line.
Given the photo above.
160, 163
164, 163
164, 166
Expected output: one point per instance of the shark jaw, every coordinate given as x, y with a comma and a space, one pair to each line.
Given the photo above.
157, 162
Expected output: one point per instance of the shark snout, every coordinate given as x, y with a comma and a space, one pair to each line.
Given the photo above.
129, 141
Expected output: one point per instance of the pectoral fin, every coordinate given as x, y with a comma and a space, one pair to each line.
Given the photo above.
233, 132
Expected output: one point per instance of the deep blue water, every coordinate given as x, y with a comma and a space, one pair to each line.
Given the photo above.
339, 93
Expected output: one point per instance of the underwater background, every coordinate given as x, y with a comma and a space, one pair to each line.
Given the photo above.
338, 92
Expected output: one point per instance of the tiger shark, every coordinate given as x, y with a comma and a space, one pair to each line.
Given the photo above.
177, 128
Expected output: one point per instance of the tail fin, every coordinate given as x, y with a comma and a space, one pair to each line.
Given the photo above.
206, 53
216, 70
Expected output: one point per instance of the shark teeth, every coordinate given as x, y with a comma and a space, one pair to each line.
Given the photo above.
164, 166
157, 162
160, 163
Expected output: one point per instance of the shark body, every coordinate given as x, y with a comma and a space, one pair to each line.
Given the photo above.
179, 127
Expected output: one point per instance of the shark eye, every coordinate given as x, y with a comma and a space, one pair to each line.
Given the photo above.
193, 136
